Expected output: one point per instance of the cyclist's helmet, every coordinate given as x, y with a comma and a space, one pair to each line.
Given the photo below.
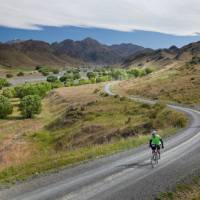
153, 132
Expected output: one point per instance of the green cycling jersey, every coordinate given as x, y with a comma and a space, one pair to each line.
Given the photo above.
156, 140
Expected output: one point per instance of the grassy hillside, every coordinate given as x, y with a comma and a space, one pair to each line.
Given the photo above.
77, 124
189, 191
179, 83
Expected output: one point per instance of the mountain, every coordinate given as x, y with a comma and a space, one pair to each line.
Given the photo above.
14, 41
163, 57
88, 50
125, 50
66, 53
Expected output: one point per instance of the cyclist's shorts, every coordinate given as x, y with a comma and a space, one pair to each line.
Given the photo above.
155, 146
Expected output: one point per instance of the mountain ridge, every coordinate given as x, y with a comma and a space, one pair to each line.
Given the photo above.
67, 52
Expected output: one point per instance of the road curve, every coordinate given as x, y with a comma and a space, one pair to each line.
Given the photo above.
123, 176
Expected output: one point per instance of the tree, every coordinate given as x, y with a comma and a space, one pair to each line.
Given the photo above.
148, 70
3, 83
63, 78
55, 71
77, 75
30, 105
6, 107
91, 75
9, 75
20, 74
9, 92
134, 72
52, 78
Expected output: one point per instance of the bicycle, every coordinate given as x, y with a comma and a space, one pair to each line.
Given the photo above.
154, 158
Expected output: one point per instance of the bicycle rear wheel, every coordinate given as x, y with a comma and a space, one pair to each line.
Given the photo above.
154, 160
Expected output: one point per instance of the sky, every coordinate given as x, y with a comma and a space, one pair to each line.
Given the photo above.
150, 23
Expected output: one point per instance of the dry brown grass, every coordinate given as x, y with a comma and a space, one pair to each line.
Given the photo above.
180, 84
184, 191
14, 148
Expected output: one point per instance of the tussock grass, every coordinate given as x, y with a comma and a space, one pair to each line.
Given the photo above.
57, 161
189, 191
180, 85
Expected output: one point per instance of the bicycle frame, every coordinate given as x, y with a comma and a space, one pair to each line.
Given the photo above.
154, 158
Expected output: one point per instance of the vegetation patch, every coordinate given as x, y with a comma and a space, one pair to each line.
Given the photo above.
189, 191
79, 124
179, 85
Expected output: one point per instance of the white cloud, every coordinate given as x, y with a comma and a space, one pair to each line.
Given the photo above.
178, 17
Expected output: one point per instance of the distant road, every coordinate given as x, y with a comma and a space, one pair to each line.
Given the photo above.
123, 176
31, 79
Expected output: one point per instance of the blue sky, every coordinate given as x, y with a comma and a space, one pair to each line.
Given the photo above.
150, 23
52, 34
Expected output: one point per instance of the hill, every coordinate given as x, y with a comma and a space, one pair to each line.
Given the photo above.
163, 57
66, 53
178, 80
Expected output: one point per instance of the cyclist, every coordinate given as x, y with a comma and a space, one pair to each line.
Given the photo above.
155, 142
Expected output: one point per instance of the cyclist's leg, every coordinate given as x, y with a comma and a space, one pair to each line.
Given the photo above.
158, 150
153, 148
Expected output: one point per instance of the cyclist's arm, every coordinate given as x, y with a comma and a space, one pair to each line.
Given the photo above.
162, 142
150, 141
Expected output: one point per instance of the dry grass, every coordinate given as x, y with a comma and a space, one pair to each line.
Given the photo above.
180, 84
76, 124
184, 191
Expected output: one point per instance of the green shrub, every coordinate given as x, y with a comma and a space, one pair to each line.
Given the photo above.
9, 92
3, 83
84, 81
170, 118
63, 78
148, 70
134, 72
9, 75
142, 72
30, 105
91, 75
55, 71
39, 89
77, 75
43, 70
6, 107
103, 94
56, 84
20, 74
52, 78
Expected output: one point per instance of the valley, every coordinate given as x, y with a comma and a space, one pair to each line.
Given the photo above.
80, 123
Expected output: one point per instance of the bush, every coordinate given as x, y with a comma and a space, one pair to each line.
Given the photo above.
142, 72
38, 67
56, 84
43, 70
84, 81
63, 78
170, 117
20, 74
9, 75
148, 70
6, 107
134, 72
77, 75
30, 105
9, 92
91, 75
52, 78
55, 71
3, 83
39, 89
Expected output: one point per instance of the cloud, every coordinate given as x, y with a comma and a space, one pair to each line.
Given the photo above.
177, 17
